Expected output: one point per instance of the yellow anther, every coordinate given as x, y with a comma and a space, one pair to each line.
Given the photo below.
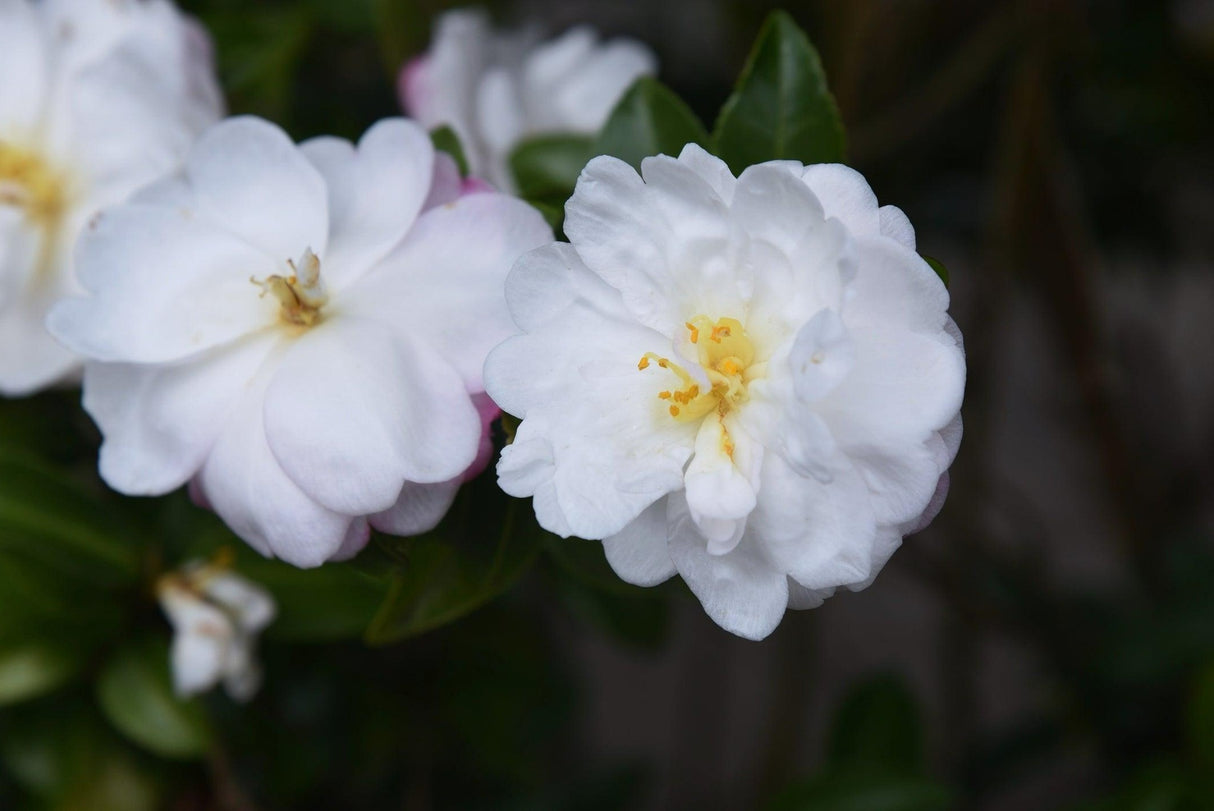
730, 367
643, 364
694, 330
674, 411
664, 395
300, 295
718, 332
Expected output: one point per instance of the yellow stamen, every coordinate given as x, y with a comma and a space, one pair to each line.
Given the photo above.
29, 182
300, 295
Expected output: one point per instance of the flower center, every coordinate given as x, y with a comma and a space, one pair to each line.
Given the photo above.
726, 355
29, 182
300, 295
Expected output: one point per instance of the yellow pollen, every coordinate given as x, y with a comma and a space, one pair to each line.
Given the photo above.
727, 360
29, 182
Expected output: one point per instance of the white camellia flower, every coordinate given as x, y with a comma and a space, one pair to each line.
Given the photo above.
496, 89
300, 331
216, 616
752, 382
97, 98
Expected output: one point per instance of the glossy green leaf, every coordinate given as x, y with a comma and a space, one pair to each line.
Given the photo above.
939, 267
483, 545
781, 107
446, 140
649, 120
37, 667
546, 168
336, 601
878, 725
135, 692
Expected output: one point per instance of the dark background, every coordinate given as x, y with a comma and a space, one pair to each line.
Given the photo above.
1047, 643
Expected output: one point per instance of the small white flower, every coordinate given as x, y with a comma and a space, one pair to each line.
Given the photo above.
300, 330
97, 98
216, 617
751, 382
496, 89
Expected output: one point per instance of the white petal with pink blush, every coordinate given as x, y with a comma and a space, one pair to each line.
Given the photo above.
497, 88
298, 332
752, 382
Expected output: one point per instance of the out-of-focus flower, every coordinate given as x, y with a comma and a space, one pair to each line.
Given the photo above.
216, 616
495, 89
300, 330
97, 98
752, 382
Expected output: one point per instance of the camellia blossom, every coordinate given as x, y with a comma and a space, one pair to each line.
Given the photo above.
752, 381
496, 89
97, 98
216, 616
299, 332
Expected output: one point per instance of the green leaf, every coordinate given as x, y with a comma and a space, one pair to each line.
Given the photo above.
649, 120
135, 692
781, 107
546, 168
37, 667
878, 725
446, 140
864, 790
336, 601
61, 751
483, 545
44, 513
937, 266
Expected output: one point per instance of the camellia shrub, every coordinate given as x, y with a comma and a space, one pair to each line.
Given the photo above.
343, 394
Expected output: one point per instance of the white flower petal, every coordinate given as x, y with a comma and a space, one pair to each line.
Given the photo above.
249, 603
896, 226
846, 196
714, 171
159, 422
821, 357
23, 63
249, 176
741, 591
246, 486
418, 508
721, 482
638, 552
446, 280
375, 193
895, 288
350, 432
166, 285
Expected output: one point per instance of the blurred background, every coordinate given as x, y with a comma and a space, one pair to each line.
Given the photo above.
1047, 643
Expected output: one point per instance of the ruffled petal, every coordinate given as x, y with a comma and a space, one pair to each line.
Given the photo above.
638, 553
353, 413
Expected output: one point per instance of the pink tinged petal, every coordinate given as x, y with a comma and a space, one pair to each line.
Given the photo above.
352, 414
638, 553
375, 193
741, 591
160, 422
249, 177
414, 87
894, 287
820, 533
166, 286
246, 486
447, 279
846, 196
489, 412
822, 356
23, 63
720, 487
896, 226
418, 508
446, 186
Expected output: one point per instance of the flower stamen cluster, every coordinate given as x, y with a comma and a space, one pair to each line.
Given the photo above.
29, 182
301, 295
